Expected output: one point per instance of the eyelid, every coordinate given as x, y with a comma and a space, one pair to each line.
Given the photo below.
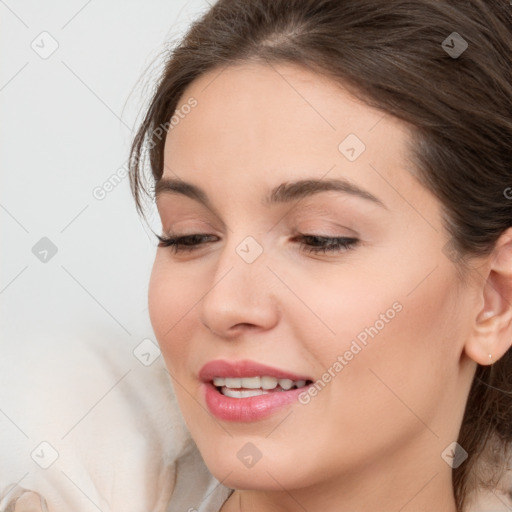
332, 245
171, 209
326, 229
191, 226
310, 212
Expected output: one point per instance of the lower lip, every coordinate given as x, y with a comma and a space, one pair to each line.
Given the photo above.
247, 409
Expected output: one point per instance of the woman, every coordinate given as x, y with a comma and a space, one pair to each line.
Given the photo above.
332, 291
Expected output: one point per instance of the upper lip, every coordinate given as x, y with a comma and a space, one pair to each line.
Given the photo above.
244, 368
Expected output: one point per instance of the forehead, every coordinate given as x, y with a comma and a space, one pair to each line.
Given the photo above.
254, 103
259, 124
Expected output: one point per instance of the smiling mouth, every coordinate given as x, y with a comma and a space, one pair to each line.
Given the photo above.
245, 387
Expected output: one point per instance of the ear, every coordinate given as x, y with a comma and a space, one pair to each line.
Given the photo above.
492, 330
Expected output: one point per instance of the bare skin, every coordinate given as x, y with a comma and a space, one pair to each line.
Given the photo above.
372, 439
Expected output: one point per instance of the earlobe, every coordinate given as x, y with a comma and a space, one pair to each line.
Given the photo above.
491, 335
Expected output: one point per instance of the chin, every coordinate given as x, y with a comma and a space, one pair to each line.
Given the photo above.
251, 478
267, 473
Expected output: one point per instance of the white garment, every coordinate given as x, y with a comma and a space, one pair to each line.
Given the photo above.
112, 422
196, 490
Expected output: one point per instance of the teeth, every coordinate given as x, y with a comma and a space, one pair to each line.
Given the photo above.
250, 382
286, 383
256, 383
235, 393
268, 382
233, 383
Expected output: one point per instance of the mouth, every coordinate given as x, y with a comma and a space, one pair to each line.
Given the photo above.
245, 391
246, 387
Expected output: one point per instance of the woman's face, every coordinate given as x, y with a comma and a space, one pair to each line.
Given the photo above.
378, 322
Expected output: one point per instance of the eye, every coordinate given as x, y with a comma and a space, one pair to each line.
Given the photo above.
310, 243
186, 243
323, 244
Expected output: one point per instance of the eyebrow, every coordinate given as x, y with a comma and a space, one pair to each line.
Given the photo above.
283, 193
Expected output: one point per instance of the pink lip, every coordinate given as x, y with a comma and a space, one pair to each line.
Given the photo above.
245, 409
245, 368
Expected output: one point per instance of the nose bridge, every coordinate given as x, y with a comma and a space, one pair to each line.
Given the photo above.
240, 291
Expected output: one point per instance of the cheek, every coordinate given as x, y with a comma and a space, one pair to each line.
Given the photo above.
411, 363
170, 301
408, 298
404, 324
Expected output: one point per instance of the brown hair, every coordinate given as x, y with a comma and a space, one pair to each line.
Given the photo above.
397, 56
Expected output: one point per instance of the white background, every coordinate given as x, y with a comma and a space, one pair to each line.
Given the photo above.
69, 325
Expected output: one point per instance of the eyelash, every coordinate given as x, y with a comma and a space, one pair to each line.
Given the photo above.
330, 244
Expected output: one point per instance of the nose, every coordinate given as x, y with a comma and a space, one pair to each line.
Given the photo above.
240, 296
